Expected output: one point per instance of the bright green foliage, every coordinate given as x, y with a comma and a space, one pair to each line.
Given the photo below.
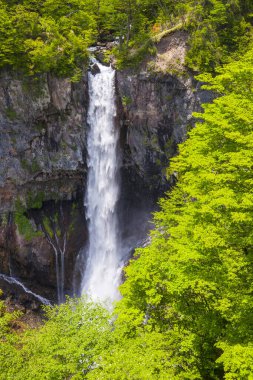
237, 360
22, 221
47, 35
147, 355
6, 319
78, 341
64, 347
218, 28
8, 338
197, 274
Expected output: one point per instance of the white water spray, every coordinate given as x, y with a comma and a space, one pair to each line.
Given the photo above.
102, 273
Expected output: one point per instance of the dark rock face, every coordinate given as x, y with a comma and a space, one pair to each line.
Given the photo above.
94, 69
157, 105
157, 112
42, 129
42, 175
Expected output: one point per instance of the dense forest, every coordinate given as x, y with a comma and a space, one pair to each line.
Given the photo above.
187, 302
52, 35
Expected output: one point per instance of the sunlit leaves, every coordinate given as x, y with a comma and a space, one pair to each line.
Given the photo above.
198, 271
65, 346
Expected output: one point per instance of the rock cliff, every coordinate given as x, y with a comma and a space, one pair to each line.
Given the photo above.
42, 174
43, 159
157, 103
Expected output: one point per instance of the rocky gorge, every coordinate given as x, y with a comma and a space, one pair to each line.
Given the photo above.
43, 152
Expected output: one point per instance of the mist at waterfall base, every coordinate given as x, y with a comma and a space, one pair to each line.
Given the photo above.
103, 266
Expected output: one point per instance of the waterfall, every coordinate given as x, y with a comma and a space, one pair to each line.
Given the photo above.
14, 281
102, 273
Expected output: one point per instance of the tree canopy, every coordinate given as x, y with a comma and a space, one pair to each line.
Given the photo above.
45, 35
66, 345
194, 281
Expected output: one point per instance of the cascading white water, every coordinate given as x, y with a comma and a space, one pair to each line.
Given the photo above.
102, 272
13, 281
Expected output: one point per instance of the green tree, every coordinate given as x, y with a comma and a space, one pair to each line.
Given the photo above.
217, 28
65, 346
47, 36
8, 337
196, 276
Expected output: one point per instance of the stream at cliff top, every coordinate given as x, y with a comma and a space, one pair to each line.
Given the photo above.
101, 276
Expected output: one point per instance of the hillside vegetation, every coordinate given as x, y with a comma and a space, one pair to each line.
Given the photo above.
54, 35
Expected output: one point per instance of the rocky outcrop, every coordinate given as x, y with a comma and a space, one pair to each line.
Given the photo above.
42, 127
42, 174
157, 103
157, 115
